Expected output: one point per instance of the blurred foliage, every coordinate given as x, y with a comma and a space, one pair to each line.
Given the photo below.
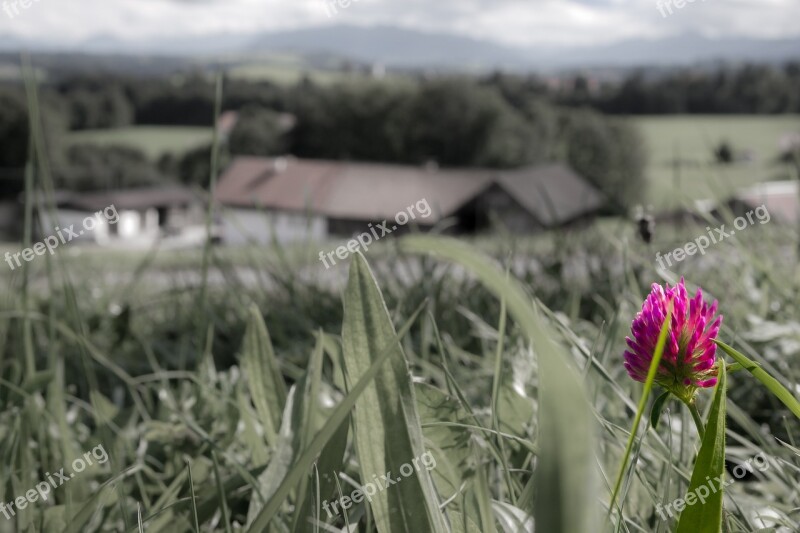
259, 132
748, 88
88, 167
193, 167
610, 154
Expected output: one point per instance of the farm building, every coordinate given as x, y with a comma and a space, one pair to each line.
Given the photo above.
781, 198
173, 216
290, 199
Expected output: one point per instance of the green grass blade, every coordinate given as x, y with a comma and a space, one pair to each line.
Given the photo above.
223, 501
658, 408
483, 500
706, 517
78, 521
267, 386
648, 386
761, 375
194, 498
331, 461
386, 421
285, 451
201, 312
307, 424
296, 431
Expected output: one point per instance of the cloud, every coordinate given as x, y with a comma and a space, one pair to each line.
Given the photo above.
514, 22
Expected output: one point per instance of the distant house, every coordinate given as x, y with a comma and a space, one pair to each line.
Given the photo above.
290, 199
781, 198
133, 218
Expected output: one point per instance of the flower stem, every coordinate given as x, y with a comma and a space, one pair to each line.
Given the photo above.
698, 421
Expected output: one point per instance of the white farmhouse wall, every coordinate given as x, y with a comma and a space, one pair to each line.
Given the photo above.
64, 218
243, 226
134, 228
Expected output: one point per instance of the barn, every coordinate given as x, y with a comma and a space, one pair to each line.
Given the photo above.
288, 199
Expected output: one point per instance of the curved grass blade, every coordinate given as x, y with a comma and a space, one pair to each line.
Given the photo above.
706, 516
761, 375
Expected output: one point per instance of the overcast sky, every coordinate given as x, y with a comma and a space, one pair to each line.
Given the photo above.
514, 22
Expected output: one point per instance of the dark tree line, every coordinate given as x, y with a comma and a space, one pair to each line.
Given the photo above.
747, 89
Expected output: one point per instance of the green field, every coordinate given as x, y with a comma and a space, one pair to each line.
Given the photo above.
154, 141
691, 140
283, 74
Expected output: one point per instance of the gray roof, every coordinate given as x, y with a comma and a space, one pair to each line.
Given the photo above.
553, 194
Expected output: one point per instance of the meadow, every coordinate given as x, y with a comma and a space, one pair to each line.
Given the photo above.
153, 141
681, 166
250, 389
226, 402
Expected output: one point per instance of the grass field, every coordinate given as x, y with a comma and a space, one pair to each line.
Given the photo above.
190, 377
691, 140
154, 141
289, 69
283, 74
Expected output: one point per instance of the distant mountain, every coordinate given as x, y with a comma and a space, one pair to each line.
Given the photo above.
396, 47
683, 49
399, 47
217, 44
404, 48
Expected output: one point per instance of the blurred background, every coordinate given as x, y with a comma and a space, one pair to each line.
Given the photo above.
237, 142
